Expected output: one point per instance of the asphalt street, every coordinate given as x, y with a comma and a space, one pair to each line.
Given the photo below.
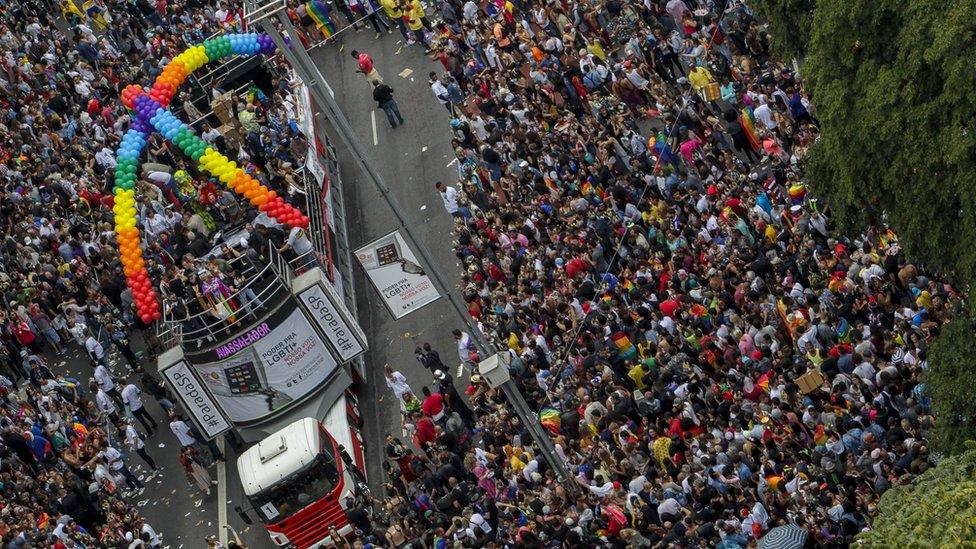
411, 158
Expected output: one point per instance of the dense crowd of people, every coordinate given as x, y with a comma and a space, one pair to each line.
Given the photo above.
68, 443
713, 360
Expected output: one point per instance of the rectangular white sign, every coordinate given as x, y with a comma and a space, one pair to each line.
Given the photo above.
195, 399
269, 371
393, 269
341, 333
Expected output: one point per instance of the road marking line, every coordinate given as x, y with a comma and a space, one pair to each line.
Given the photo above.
222, 494
372, 117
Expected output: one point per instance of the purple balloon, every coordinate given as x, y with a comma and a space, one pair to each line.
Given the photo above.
140, 125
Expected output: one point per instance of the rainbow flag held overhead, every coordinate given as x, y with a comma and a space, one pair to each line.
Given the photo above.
625, 348
319, 12
550, 419
748, 122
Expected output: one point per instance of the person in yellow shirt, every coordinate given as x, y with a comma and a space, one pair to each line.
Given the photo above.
417, 21
594, 47
637, 374
392, 10
699, 77
71, 13
924, 299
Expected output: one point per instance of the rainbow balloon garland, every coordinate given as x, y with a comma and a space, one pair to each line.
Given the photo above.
151, 113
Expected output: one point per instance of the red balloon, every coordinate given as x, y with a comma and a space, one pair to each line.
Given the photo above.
156, 315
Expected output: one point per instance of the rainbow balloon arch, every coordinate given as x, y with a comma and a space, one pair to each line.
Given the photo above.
151, 114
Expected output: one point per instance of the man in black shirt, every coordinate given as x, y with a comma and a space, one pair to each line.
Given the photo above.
383, 95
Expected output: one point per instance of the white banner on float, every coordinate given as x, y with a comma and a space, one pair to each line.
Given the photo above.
394, 271
195, 399
268, 369
327, 310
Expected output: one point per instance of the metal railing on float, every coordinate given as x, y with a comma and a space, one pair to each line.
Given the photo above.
222, 318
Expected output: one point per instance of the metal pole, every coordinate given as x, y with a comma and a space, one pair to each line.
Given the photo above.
305, 68
542, 438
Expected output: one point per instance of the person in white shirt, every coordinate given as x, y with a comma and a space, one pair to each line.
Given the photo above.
599, 489
117, 466
764, 114
132, 396
299, 243
157, 224
209, 134
106, 382
138, 445
148, 534
105, 403
465, 345
440, 91
94, 349
182, 431
449, 195
478, 521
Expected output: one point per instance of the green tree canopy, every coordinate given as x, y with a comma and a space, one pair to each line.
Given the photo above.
936, 510
791, 20
949, 383
893, 85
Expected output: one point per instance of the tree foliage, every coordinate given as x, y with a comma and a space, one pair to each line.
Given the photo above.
791, 20
935, 510
892, 83
949, 383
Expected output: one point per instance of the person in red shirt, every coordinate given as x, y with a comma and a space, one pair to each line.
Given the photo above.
366, 67
433, 405
669, 306
426, 432
575, 267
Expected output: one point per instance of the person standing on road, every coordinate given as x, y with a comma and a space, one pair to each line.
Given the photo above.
148, 534
429, 358
183, 432
104, 402
132, 396
138, 445
196, 474
440, 91
383, 95
366, 66
467, 351
94, 349
392, 10
113, 458
450, 197
372, 10
398, 384
187, 437
106, 382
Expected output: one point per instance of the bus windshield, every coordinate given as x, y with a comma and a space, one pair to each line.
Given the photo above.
298, 491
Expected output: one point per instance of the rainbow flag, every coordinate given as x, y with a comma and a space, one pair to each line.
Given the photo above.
625, 349
748, 122
550, 419
763, 380
319, 12
843, 330
588, 187
628, 285
782, 312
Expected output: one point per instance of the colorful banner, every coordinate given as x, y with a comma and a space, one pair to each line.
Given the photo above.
266, 370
